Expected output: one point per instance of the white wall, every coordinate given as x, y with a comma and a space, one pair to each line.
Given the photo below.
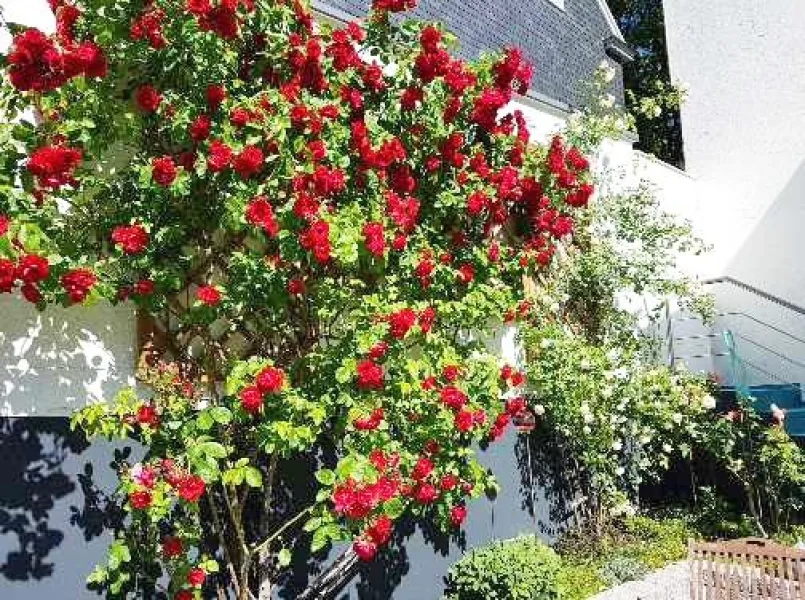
743, 62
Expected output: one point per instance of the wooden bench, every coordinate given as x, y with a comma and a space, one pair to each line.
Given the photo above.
746, 569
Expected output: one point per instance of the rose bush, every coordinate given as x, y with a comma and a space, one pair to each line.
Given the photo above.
320, 221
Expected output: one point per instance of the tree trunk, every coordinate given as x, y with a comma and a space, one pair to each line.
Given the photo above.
332, 580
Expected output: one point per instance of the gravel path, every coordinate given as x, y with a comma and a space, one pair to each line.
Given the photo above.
670, 583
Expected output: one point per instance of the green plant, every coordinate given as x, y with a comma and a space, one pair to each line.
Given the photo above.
519, 569
322, 224
622, 569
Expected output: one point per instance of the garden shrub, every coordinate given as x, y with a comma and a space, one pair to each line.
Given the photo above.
519, 569
622, 569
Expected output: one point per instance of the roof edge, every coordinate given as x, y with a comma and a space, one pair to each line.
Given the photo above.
610, 18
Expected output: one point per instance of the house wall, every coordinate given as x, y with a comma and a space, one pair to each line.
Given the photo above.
742, 62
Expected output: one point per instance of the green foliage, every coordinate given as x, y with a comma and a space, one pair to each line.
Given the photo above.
651, 96
622, 569
627, 549
519, 569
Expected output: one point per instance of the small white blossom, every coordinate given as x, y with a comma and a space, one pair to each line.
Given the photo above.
539, 410
617, 445
709, 402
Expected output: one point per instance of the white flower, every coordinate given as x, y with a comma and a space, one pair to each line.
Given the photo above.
614, 354
621, 373
676, 418
620, 471
607, 391
202, 404
667, 448
546, 343
709, 402
617, 445
539, 410
586, 429
585, 365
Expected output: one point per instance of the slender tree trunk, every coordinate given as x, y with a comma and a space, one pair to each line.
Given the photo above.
332, 580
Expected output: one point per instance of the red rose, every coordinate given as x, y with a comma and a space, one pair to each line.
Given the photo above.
296, 287
191, 488
53, 166
426, 319
78, 283
147, 98
394, 5
209, 295
260, 213
422, 469
140, 499
374, 238
371, 422
132, 239
8, 275
515, 406
464, 420
200, 128
448, 482
458, 515
147, 416
365, 550
378, 351
163, 170
249, 162
4, 223
271, 380
172, 547
183, 595
453, 397
401, 322
144, 287
33, 268
251, 399
466, 273
380, 532
426, 494
370, 375
31, 293
316, 239
216, 94
239, 117
220, 155
451, 372
196, 577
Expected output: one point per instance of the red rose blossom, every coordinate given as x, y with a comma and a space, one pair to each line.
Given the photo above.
271, 380
163, 170
140, 500
251, 399
458, 514
260, 213
172, 547
147, 98
209, 295
249, 162
78, 283
365, 550
370, 375
219, 157
196, 577
401, 322
132, 239
53, 166
216, 94
191, 488
33, 268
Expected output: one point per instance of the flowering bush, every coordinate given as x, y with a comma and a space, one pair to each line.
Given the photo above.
318, 219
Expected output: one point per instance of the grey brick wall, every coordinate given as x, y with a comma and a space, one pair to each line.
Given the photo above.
565, 46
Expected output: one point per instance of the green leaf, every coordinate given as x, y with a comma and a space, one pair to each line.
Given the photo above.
325, 477
284, 557
213, 449
254, 478
204, 421
394, 508
221, 414
312, 524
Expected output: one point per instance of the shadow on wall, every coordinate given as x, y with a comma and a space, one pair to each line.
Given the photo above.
54, 510
771, 256
56, 360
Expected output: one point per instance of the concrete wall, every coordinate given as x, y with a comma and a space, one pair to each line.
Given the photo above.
743, 63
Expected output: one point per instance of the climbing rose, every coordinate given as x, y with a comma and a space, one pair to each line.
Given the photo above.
53, 166
209, 295
271, 380
380, 532
458, 514
78, 283
251, 399
172, 547
147, 416
422, 469
196, 577
191, 488
200, 128
163, 170
370, 375
147, 98
365, 550
4, 224
132, 239
401, 322
183, 595
453, 397
220, 155
394, 5
426, 494
249, 162
260, 213
464, 420
374, 239
33, 268
216, 94
140, 500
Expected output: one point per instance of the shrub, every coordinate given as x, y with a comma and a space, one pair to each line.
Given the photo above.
521, 568
622, 569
